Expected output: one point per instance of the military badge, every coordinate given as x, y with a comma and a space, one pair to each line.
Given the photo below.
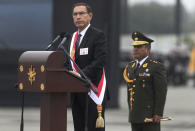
145, 65
144, 74
147, 70
141, 74
147, 74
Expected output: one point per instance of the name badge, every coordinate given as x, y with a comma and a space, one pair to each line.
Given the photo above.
84, 51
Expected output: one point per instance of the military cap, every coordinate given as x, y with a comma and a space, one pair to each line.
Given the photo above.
140, 39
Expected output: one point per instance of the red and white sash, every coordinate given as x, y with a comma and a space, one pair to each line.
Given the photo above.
97, 98
72, 50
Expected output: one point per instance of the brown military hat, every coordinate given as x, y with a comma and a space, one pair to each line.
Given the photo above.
140, 39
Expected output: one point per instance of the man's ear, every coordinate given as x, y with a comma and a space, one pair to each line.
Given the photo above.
91, 15
148, 48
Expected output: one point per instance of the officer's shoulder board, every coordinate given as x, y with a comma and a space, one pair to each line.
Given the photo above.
154, 61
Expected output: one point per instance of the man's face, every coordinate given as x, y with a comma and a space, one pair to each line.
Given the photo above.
81, 17
140, 51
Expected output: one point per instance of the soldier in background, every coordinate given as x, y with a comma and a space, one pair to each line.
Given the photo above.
146, 86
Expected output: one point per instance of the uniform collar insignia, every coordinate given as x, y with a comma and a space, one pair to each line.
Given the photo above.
133, 65
145, 65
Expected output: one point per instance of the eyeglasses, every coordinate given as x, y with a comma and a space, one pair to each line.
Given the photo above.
79, 13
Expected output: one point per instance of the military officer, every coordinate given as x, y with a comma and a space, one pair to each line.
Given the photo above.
146, 84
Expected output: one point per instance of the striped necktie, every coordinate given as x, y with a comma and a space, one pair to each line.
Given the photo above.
77, 42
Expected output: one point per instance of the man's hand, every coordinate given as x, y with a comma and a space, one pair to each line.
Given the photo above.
156, 119
75, 73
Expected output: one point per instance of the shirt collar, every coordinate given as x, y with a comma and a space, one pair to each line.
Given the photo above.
142, 61
84, 31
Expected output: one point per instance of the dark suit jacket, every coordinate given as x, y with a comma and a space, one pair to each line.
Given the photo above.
92, 63
149, 85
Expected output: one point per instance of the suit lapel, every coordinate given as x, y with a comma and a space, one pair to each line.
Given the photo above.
84, 41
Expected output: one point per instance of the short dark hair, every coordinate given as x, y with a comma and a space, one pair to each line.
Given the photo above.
88, 7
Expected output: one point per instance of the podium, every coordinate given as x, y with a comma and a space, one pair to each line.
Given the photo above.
43, 72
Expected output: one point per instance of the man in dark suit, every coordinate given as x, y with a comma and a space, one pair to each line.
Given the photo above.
88, 49
146, 86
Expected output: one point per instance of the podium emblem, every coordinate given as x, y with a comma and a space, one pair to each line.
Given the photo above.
42, 68
21, 86
21, 68
42, 87
31, 74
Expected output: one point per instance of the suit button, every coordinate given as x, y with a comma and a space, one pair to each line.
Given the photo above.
144, 80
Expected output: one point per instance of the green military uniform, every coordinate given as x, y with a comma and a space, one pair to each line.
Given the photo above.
147, 88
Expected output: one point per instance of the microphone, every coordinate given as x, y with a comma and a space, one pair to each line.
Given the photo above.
80, 71
52, 44
61, 44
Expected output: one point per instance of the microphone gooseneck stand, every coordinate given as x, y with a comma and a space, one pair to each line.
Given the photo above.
22, 118
53, 44
22, 107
